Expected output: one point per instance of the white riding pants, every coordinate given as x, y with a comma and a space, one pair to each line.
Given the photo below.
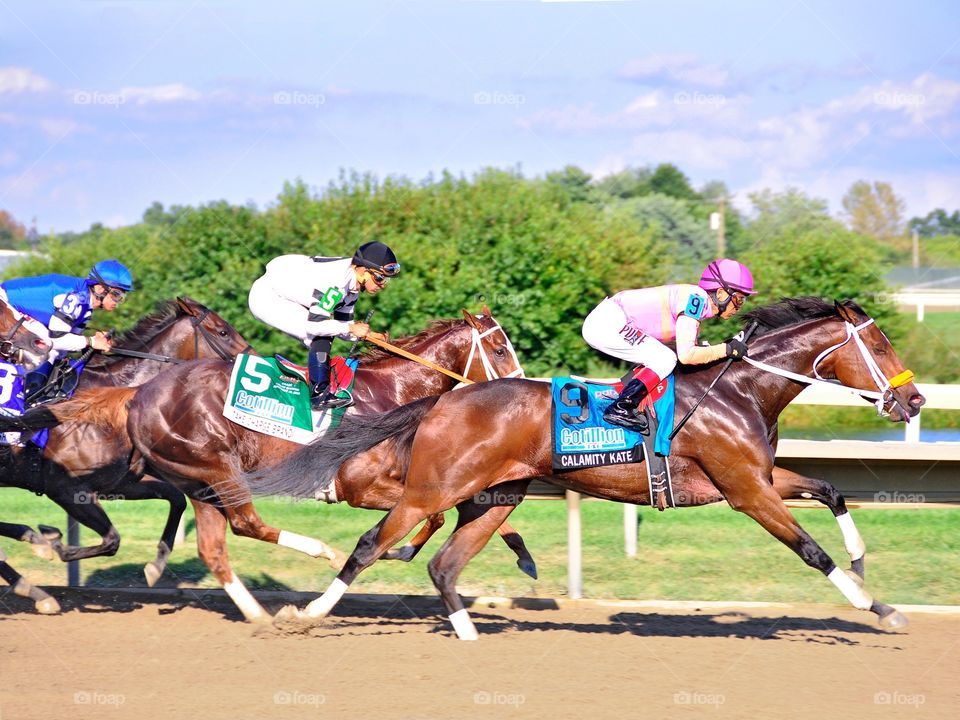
606, 329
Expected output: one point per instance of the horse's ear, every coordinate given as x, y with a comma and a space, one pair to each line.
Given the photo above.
187, 305
846, 312
486, 311
471, 320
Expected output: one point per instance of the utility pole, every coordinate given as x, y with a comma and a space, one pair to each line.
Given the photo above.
717, 222
916, 249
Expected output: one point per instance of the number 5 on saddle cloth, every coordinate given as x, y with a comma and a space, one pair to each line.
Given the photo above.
583, 439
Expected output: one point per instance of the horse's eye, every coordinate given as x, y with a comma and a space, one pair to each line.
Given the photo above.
879, 350
223, 333
500, 353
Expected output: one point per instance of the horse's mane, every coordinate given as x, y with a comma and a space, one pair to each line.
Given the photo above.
433, 330
791, 311
167, 312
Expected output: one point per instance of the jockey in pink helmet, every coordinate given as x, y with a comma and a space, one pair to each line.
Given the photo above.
633, 325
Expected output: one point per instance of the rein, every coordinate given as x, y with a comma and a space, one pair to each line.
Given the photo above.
476, 344
884, 385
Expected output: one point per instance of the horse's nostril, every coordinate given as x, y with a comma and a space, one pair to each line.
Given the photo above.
918, 401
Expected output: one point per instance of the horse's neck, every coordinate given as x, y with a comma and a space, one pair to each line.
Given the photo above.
136, 371
408, 380
794, 349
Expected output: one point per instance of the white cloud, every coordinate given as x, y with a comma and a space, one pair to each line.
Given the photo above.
174, 92
679, 67
18, 80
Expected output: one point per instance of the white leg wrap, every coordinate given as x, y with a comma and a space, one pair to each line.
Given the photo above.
851, 536
308, 545
463, 625
857, 596
322, 606
242, 598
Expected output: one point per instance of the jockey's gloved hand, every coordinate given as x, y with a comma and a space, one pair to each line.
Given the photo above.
736, 349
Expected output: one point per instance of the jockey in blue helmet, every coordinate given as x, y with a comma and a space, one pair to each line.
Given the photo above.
58, 307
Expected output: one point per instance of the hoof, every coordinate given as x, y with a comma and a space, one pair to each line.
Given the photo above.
48, 606
404, 554
288, 613
529, 567
152, 573
894, 620
50, 533
338, 560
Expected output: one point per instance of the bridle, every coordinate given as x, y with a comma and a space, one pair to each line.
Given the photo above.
883, 395
212, 340
476, 348
8, 350
198, 330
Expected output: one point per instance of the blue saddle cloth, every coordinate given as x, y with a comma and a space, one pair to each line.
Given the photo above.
582, 438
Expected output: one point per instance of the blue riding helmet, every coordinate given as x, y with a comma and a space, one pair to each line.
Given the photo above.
111, 274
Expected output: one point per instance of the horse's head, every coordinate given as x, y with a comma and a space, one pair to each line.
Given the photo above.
863, 358
491, 353
18, 345
209, 335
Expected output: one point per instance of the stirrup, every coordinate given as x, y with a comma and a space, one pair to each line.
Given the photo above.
329, 401
631, 419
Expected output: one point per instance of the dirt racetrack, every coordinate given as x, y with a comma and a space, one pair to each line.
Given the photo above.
144, 656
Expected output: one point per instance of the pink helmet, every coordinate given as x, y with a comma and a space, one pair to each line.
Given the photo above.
729, 275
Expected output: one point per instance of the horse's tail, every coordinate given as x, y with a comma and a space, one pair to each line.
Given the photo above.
313, 467
105, 407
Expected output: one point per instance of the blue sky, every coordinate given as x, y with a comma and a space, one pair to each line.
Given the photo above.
107, 106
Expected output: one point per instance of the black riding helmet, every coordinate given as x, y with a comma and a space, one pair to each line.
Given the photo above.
377, 256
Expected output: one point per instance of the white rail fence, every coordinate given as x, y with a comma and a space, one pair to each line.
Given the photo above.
939, 397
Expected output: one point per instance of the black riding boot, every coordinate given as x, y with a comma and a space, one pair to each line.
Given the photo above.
623, 411
318, 365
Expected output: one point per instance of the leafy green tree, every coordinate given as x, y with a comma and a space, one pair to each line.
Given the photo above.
668, 180
12, 233
689, 241
937, 222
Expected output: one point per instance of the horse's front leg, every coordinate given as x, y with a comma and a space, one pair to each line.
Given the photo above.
246, 522
749, 490
39, 543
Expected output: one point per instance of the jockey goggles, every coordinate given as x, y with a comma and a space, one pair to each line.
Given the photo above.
381, 274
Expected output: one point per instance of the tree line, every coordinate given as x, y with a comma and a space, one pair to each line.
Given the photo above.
539, 252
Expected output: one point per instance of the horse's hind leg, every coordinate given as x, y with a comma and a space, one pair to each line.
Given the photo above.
761, 502
82, 505
476, 524
515, 542
246, 522
44, 603
38, 543
212, 548
372, 545
409, 551
793, 486
154, 489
